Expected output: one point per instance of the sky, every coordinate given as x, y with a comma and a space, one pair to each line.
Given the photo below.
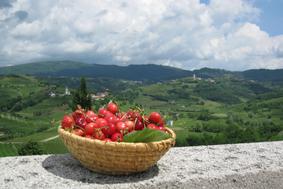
188, 34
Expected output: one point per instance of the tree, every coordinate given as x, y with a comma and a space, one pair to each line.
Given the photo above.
30, 148
204, 116
82, 97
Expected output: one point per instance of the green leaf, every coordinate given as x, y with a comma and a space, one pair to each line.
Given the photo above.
146, 135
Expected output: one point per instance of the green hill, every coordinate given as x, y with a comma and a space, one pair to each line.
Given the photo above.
25, 105
216, 110
264, 75
147, 72
224, 110
39, 68
18, 90
225, 90
27, 110
211, 73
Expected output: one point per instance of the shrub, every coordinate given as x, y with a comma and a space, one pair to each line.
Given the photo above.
30, 148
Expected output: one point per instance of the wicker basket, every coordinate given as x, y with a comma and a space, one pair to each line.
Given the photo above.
116, 158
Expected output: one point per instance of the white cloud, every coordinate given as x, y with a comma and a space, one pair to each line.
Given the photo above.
183, 33
228, 11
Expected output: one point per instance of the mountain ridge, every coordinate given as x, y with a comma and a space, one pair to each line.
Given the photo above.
140, 72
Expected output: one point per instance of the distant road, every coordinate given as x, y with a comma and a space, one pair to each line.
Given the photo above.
50, 138
11, 142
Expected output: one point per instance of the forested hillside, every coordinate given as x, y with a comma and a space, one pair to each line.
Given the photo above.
221, 108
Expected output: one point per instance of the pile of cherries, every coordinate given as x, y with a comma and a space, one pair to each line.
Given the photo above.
109, 124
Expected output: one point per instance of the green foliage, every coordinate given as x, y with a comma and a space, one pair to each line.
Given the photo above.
205, 138
30, 148
269, 129
82, 97
204, 116
146, 135
18, 92
216, 93
229, 110
255, 116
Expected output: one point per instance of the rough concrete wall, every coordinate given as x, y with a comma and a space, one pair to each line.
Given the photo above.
255, 165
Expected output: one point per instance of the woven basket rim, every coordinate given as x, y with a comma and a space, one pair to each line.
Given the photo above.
76, 137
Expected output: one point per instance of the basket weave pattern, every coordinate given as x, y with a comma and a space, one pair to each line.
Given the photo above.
116, 157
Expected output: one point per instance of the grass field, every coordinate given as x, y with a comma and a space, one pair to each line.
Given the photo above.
55, 146
37, 137
8, 150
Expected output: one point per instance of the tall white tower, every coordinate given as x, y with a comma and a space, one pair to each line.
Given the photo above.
67, 92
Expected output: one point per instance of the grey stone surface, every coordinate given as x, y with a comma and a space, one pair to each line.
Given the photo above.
255, 165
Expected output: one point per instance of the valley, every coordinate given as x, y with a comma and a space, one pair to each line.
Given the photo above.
214, 107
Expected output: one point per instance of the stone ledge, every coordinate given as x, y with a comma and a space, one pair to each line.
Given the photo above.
254, 165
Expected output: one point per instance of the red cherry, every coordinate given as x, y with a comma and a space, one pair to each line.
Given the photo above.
98, 134
109, 130
67, 122
90, 128
78, 114
120, 114
121, 127
102, 112
130, 125
107, 140
152, 126
111, 119
112, 107
91, 116
78, 132
139, 125
154, 117
161, 123
108, 114
81, 122
101, 122
117, 137
90, 113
